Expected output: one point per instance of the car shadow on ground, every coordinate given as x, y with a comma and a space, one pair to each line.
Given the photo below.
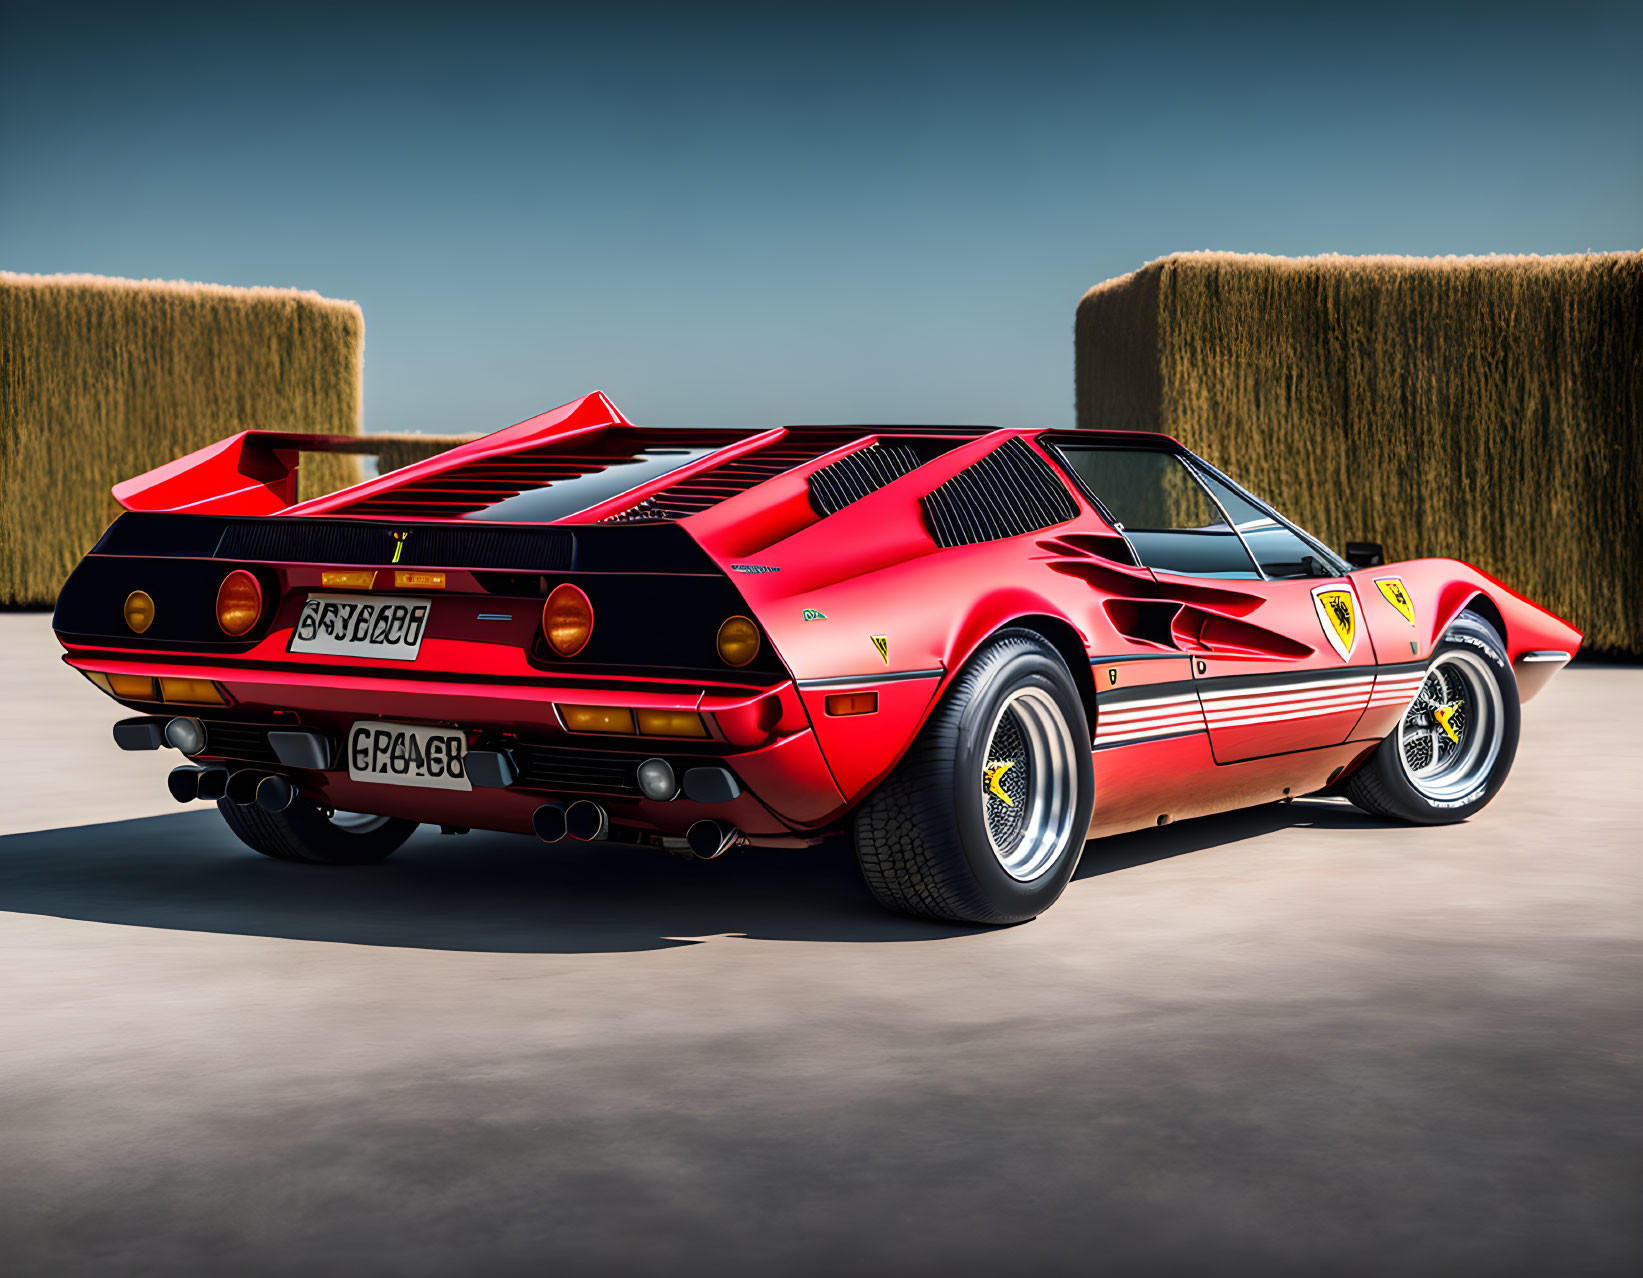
508, 894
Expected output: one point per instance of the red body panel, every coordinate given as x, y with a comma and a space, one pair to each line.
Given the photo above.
1243, 699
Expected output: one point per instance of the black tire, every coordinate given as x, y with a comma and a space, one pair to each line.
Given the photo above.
1385, 783
922, 838
304, 832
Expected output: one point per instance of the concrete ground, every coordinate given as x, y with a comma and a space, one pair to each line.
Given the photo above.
1286, 1041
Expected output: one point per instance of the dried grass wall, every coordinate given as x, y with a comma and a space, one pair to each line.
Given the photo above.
1488, 409
101, 379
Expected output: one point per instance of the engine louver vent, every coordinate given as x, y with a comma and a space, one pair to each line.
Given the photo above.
478, 485
692, 495
1010, 491
857, 474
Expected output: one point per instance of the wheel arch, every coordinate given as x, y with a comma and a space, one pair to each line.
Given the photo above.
1061, 635
1486, 608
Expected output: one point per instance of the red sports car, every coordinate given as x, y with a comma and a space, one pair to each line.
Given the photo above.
973, 649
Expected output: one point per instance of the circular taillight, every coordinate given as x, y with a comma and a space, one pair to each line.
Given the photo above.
239, 603
567, 620
139, 611
738, 641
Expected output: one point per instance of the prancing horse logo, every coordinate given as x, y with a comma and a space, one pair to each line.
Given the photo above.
399, 545
1338, 616
1392, 589
992, 774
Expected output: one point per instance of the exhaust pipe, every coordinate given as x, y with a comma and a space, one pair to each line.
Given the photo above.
549, 822
710, 840
189, 783
184, 784
275, 794
586, 821
213, 783
242, 785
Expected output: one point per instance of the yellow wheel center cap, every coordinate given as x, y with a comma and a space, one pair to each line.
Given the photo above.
1445, 713
993, 774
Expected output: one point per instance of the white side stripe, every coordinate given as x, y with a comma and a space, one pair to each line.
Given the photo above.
1154, 725
1177, 713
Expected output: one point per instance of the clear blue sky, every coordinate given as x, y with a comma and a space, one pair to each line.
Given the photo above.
763, 214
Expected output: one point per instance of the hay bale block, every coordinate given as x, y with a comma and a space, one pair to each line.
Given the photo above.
101, 379
1483, 408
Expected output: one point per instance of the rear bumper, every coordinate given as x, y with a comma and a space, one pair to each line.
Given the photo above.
762, 736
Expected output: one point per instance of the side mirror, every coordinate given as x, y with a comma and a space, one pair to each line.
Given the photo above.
1365, 554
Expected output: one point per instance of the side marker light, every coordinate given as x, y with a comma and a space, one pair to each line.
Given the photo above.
841, 704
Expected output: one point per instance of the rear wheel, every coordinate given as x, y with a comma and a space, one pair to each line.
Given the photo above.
1454, 746
306, 832
984, 820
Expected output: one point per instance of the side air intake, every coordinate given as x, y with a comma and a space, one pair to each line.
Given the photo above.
1010, 491
858, 474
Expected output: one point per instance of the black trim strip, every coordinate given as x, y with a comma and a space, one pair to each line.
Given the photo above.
1168, 736
1341, 674
1141, 656
894, 676
1406, 667
1174, 689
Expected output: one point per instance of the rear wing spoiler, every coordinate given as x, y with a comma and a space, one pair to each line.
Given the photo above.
252, 473
255, 472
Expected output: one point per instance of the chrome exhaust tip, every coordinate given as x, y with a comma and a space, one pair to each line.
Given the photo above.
587, 821
710, 840
549, 822
275, 794
242, 785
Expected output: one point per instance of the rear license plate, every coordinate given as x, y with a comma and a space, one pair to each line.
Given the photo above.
404, 754
361, 626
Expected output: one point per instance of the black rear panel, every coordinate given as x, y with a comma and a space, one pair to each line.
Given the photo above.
372, 543
658, 600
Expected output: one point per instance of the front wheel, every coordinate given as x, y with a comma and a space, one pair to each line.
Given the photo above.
1452, 749
306, 832
984, 820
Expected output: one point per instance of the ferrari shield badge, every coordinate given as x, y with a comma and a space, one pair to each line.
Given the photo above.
882, 643
1338, 614
1397, 596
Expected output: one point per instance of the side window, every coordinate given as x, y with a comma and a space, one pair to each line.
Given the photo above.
1163, 510
1277, 549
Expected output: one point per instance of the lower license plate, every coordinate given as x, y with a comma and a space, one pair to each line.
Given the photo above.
404, 754
388, 626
